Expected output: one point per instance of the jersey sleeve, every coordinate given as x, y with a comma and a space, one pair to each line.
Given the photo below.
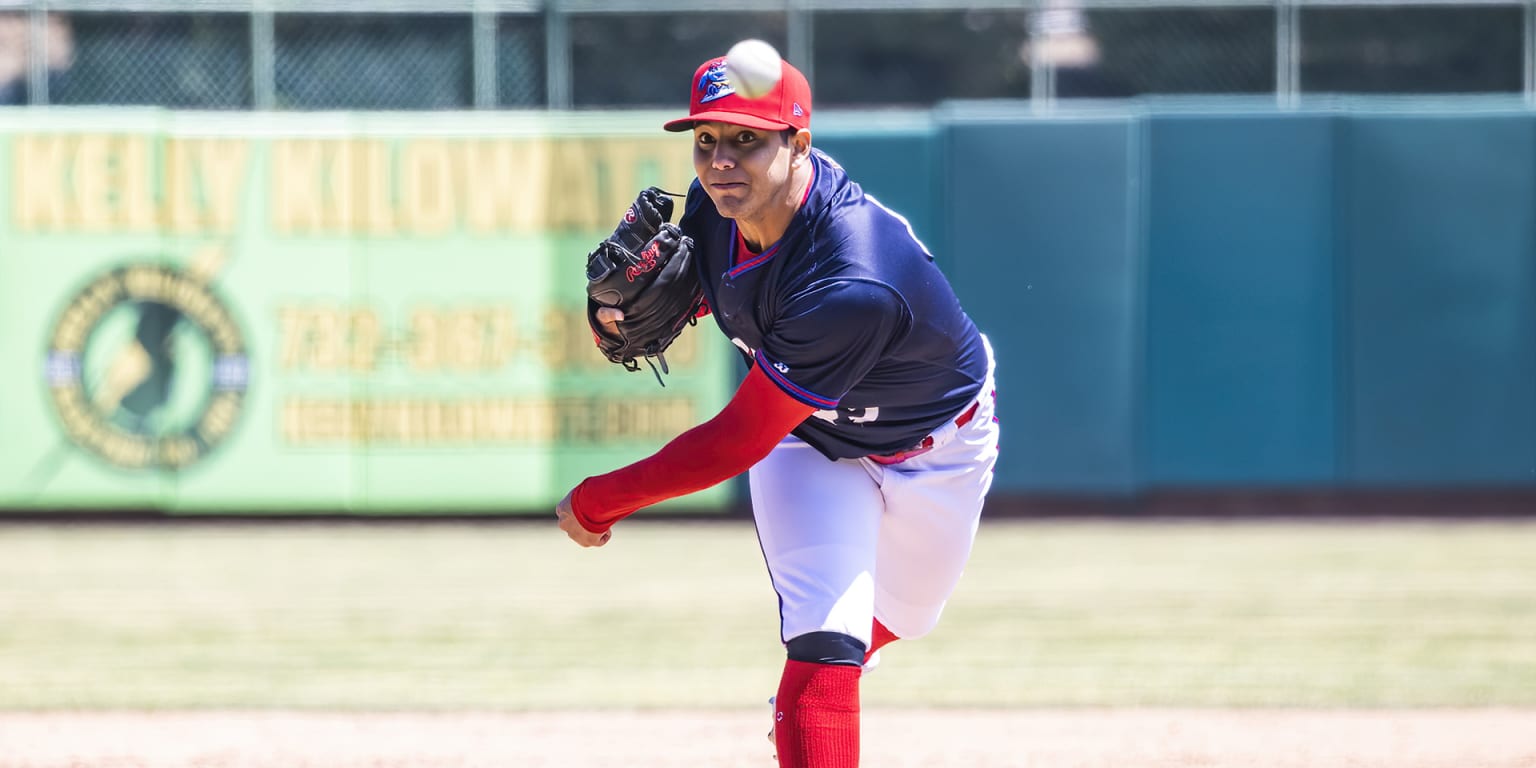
693, 209
829, 336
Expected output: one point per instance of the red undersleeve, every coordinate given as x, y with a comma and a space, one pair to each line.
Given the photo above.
758, 416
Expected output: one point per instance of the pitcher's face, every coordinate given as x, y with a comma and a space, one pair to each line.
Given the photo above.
745, 171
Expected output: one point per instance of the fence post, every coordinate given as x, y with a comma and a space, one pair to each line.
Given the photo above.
483, 44
1042, 66
1529, 39
263, 57
37, 53
557, 55
1287, 53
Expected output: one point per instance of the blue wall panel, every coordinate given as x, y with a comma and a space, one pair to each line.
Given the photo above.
1042, 227
1240, 371
1438, 232
1246, 298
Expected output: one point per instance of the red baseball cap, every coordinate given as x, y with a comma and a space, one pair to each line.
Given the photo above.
788, 105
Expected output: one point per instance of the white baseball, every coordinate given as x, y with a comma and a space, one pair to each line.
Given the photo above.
753, 68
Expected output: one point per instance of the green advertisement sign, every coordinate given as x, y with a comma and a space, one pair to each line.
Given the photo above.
318, 313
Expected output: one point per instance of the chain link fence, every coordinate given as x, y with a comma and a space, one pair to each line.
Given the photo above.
630, 60
521, 79
1428, 49
174, 60
485, 54
372, 61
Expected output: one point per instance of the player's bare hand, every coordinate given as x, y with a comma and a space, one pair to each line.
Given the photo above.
572, 526
610, 317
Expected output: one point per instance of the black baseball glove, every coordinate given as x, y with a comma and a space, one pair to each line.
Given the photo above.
645, 270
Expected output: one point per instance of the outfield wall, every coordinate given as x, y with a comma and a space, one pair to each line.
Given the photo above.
320, 313
1202, 295
381, 313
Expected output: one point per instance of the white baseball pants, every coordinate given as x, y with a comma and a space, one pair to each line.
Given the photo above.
852, 540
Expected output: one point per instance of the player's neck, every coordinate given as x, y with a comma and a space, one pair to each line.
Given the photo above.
765, 230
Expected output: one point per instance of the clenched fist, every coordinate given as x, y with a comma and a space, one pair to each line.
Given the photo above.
573, 528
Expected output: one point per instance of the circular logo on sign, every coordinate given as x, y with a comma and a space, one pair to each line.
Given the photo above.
147, 367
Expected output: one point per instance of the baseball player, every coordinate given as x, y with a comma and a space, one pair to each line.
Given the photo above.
866, 418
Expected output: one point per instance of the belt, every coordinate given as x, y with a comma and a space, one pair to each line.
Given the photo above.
926, 444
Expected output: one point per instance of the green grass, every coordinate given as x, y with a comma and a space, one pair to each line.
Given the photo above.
511, 617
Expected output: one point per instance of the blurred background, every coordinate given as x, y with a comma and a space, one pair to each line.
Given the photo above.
1252, 248
505, 54
1241, 260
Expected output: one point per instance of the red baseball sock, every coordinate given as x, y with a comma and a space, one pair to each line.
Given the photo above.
818, 716
880, 637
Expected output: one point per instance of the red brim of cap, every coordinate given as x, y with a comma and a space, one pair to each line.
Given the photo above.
721, 116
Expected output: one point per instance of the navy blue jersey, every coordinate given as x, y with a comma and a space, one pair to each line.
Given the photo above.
846, 312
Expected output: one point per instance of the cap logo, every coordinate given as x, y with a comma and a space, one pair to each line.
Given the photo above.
798, 111
713, 84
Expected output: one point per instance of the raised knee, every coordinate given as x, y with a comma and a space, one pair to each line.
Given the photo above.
827, 648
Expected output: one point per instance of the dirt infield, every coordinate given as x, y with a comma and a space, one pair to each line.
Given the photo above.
892, 739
